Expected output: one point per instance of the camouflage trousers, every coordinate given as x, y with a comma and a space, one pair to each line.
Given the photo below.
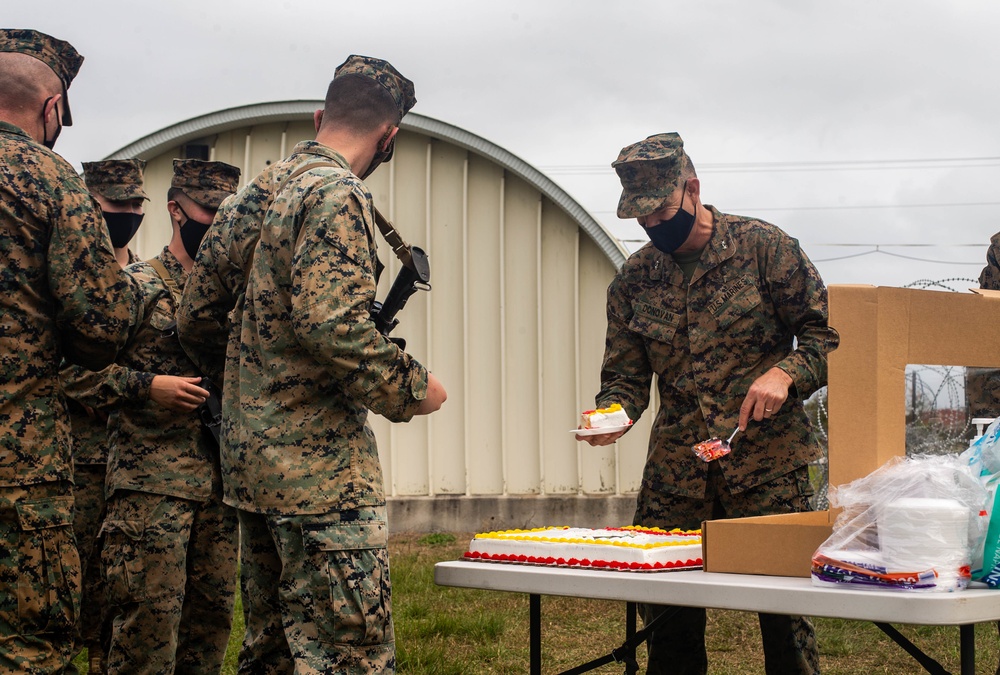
677, 646
170, 570
39, 579
88, 494
316, 595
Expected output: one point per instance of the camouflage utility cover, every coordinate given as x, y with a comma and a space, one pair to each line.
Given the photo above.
650, 171
207, 183
116, 179
312, 363
57, 54
382, 72
61, 294
753, 294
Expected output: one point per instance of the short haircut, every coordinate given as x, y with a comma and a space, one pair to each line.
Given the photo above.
358, 104
173, 192
24, 81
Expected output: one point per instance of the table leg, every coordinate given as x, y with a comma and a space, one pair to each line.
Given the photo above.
535, 633
929, 664
630, 625
967, 641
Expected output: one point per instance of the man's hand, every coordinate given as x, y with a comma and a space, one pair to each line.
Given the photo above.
180, 394
767, 394
602, 439
94, 413
436, 395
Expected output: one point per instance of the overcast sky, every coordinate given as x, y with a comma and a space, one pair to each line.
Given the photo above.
851, 124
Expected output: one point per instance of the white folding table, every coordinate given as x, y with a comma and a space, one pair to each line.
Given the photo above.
744, 592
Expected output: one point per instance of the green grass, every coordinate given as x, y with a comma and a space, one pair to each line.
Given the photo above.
454, 631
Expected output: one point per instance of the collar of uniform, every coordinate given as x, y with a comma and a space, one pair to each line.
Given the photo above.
7, 127
173, 266
719, 249
663, 266
720, 246
318, 149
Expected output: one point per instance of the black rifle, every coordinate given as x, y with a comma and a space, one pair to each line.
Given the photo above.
413, 276
210, 411
407, 282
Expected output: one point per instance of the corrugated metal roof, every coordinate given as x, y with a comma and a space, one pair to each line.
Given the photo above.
262, 113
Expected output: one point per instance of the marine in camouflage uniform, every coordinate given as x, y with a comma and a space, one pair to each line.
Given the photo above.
209, 321
713, 306
116, 184
982, 385
300, 461
61, 295
169, 551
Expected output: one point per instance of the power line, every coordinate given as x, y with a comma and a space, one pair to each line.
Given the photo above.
846, 207
876, 249
814, 244
834, 165
896, 245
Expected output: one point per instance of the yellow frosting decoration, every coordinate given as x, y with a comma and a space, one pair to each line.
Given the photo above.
526, 535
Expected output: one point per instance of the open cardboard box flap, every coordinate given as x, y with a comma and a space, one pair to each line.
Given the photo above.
882, 329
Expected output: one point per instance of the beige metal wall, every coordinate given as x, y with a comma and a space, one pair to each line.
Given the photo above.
514, 326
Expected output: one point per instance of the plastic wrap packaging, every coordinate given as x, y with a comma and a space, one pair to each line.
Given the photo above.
913, 524
983, 459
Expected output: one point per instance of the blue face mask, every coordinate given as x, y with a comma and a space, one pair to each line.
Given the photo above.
669, 235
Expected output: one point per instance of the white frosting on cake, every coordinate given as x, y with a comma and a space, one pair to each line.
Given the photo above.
613, 548
612, 416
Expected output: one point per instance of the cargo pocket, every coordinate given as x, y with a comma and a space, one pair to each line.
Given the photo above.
352, 561
121, 560
49, 577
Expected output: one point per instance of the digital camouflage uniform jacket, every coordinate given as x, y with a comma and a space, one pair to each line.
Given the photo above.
990, 276
153, 449
312, 363
210, 314
61, 295
753, 293
90, 434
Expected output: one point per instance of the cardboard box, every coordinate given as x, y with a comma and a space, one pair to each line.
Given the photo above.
882, 330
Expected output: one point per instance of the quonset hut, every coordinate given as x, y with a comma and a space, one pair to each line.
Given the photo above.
514, 326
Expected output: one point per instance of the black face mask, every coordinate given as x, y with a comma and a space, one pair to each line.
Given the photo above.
380, 156
122, 227
46, 141
669, 235
192, 232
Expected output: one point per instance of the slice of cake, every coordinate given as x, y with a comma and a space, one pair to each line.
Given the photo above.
711, 449
616, 548
602, 418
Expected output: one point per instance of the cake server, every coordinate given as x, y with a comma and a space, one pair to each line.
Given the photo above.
714, 448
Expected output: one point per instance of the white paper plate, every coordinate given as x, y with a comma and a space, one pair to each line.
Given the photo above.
598, 432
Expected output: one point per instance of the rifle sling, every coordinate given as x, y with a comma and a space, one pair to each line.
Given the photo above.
392, 237
168, 281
